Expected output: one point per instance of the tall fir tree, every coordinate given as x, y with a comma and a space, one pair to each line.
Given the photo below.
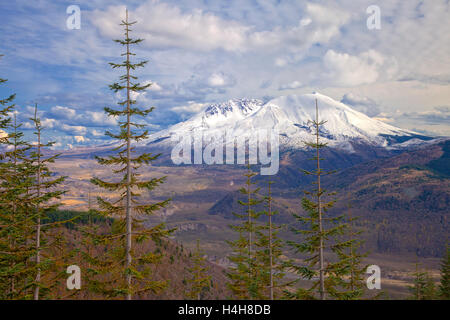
199, 279
269, 252
121, 270
319, 231
348, 274
16, 221
46, 195
17, 217
444, 286
25, 201
6, 107
244, 275
423, 287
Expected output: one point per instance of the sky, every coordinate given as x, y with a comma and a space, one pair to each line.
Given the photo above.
202, 51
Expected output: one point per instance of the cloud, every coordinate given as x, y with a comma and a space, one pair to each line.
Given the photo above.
220, 80
384, 119
97, 133
347, 70
208, 51
80, 139
362, 104
70, 116
49, 123
59, 112
189, 109
165, 25
154, 87
293, 85
73, 130
280, 62
97, 118
439, 115
265, 84
320, 25
56, 145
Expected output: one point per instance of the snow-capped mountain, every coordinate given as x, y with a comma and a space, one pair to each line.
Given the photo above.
290, 116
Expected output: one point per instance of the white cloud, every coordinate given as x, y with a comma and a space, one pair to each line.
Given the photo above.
154, 87
191, 107
280, 62
304, 22
384, 119
98, 118
437, 115
49, 123
63, 112
166, 26
292, 85
362, 104
220, 80
347, 70
80, 139
80, 130
56, 145
97, 133
263, 45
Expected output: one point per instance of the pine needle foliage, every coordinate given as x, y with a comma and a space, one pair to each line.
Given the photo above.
244, 274
28, 191
444, 287
17, 216
199, 279
46, 194
6, 107
269, 253
423, 287
348, 273
318, 231
121, 271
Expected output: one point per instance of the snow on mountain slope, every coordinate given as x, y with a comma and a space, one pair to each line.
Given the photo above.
291, 116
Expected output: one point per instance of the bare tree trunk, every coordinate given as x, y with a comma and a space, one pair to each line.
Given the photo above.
319, 210
270, 244
249, 224
128, 198
352, 258
14, 203
38, 224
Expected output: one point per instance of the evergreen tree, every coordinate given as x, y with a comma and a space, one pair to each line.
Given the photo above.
27, 192
423, 287
269, 251
16, 220
348, 274
45, 194
321, 231
199, 280
244, 276
444, 287
6, 107
239, 273
120, 270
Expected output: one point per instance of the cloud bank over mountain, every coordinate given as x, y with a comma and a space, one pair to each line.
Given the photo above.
202, 52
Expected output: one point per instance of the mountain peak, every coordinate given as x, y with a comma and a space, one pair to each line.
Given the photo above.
242, 106
291, 115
